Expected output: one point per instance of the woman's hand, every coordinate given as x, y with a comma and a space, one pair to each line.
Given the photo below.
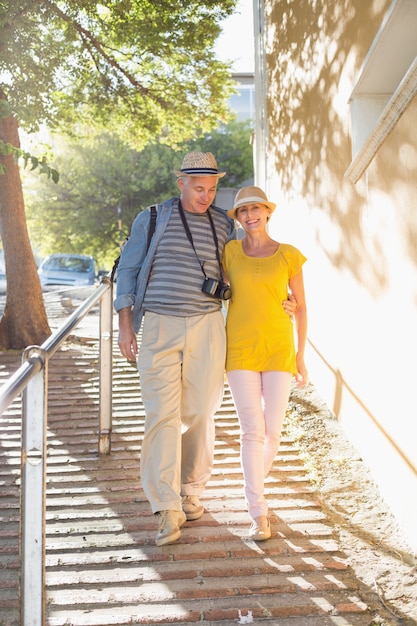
302, 374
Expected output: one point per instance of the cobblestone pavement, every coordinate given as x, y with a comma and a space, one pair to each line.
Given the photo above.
102, 566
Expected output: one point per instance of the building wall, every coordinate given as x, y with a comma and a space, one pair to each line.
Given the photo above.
360, 239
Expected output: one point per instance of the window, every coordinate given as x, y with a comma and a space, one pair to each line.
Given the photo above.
386, 84
243, 102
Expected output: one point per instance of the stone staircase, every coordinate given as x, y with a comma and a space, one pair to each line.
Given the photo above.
102, 566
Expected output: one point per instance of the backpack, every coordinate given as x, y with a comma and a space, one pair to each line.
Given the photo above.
152, 223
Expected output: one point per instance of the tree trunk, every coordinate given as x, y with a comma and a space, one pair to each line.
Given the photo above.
24, 320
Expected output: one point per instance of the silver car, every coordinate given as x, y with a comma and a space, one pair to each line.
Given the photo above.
68, 269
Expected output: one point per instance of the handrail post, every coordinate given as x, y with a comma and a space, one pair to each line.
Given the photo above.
105, 370
33, 492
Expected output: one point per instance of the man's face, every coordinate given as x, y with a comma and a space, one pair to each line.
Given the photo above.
197, 192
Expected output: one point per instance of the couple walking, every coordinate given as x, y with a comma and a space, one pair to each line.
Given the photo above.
175, 286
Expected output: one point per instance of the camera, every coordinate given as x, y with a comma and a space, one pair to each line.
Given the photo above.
216, 288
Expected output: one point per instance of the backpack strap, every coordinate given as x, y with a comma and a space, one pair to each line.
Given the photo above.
152, 225
116, 263
153, 211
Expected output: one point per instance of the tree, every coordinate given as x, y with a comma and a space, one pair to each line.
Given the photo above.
81, 213
142, 69
24, 321
233, 149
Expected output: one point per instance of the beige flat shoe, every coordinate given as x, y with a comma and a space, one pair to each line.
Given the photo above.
260, 529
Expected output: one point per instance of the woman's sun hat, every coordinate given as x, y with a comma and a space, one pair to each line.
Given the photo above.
199, 164
250, 195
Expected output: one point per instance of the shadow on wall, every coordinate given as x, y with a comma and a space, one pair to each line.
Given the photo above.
341, 389
316, 52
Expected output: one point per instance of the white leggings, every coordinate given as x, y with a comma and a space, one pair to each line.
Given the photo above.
261, 400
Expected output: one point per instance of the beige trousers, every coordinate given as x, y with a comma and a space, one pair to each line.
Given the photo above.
181, 366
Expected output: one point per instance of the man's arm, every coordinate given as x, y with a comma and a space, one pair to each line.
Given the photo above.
127, 341
130, 263
290, 305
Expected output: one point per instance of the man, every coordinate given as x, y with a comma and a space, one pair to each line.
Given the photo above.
177, 285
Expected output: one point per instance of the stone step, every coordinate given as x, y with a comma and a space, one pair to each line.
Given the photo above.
102, 565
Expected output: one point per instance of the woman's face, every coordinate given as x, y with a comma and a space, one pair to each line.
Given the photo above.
253, 217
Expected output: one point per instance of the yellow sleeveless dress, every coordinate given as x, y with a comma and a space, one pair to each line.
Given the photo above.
260, 334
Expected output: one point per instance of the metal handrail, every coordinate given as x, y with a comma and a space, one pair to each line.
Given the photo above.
31, 380
18, 381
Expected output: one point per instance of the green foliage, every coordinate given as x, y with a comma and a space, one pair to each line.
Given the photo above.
145, 69
7, 148
232, 147
80, 214
5, 109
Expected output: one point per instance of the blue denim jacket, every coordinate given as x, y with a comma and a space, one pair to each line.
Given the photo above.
135, 264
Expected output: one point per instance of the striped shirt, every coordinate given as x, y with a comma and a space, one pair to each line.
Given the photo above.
176, 278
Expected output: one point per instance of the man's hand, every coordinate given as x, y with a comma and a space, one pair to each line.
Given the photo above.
127, 341
290, 305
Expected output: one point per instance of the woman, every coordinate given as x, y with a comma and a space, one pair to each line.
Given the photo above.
261, 355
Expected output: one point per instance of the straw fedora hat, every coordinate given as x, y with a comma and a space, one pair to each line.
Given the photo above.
250, 195
199, 164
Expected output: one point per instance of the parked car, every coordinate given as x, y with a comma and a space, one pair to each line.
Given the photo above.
68, 269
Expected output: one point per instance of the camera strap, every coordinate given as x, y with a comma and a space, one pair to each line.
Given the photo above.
190, 237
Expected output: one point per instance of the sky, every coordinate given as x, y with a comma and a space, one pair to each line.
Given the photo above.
236, 41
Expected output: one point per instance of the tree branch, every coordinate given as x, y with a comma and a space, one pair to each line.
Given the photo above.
87, 36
